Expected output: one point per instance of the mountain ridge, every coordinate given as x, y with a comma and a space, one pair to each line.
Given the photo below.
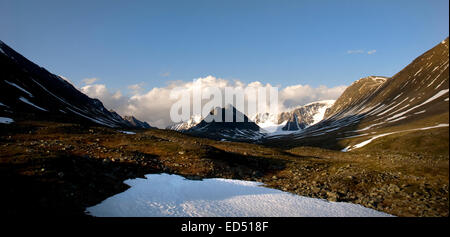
29, 91
374, 111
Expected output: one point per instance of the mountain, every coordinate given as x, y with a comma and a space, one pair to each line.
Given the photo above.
28, 91
307, 115
293, 124
295, 119
136, 123
182, 126
238, 127
408, 111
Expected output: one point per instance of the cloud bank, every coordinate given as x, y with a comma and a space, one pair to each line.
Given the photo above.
360, 51
89, 81
154, 105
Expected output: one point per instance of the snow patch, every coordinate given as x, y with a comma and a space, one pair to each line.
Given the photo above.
20, 88
164, 195
420, 112
361, 144
28, 102
437, 95
5, 120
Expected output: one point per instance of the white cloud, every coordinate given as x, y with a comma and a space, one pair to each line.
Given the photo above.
296, 95
136, 88
111, 100
154, 105
360, 51
357, 51
89, 81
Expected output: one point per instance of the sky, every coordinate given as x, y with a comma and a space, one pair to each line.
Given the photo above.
134, 47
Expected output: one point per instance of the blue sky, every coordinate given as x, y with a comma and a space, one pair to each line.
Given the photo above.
278, 42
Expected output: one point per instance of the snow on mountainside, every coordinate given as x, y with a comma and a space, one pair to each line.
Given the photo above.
194, 120
411, 103
295, 119
28, 91
305, 116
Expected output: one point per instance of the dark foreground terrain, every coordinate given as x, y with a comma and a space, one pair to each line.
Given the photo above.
60, 169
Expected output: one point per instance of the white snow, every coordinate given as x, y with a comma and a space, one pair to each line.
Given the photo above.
20, 88
346, 149
127, 132
418, 71
420, 112
431, 83
51, 93
442, 82
319, 115
397, 119
185, 125
437, 95
92, 119
393, 107
6, 120
398, 95
163, 195
28, 102
269, 121
270, 127
1, 104
361, 144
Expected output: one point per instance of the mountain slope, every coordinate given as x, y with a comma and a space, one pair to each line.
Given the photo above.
392, 113
136, 122
28, 91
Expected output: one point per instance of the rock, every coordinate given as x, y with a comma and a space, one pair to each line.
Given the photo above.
332, 196
181, 152
393, 188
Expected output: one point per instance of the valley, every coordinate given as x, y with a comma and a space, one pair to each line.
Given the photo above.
61, 168
382, 144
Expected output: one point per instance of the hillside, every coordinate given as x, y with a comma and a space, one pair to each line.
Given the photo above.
28, 91
408, 111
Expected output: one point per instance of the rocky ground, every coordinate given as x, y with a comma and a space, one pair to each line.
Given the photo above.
60, 169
